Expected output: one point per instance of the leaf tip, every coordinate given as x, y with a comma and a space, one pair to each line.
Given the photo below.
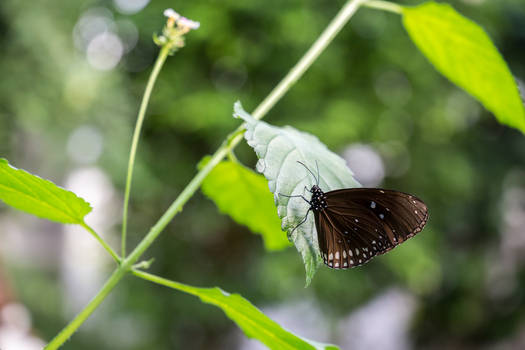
308, 281
239, 112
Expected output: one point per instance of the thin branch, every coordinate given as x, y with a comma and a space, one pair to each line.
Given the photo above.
335, 26
136, 135
384, 5
162, 281
102, 242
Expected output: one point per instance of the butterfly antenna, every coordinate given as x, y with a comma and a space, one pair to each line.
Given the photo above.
309, 171
318, 177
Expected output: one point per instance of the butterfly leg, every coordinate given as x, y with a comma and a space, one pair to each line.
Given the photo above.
297, 196
302, 222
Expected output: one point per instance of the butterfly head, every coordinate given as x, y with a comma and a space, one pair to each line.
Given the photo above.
318, 200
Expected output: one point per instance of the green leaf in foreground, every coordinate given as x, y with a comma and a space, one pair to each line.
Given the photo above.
278, 150
250, 319
464, 53
40, 197
244, 195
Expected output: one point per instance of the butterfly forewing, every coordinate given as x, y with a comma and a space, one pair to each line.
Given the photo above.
359, 223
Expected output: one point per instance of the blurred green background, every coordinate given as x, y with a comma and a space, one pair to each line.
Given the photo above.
73, 73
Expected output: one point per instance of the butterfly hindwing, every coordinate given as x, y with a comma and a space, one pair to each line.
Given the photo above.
360, 223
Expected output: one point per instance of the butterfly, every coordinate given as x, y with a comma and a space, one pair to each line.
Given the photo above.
355, 224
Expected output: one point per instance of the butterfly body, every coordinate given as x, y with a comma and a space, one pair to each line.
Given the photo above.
354, 225
318, 200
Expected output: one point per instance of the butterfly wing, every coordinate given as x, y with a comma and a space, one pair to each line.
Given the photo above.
360, 223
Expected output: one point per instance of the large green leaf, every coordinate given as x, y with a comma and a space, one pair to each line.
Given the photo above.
244, 195
279, 150
464, 53
40, 197
250, 319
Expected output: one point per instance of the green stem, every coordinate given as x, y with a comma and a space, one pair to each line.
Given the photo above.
335, 26
64, 335
384, 5
295, 73
177, 205
163, 54
102, 242
230, 142
163, 281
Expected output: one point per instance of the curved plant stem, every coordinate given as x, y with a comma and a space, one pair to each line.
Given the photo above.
64, 335
163, 281
163, 54
102, 242
384, 5
233, 139
309, 57
230, 142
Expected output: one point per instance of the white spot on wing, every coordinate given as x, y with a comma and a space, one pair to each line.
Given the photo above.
331, 256
344, 254
381, 216
372, 204
356, 251
337, 256
336, 264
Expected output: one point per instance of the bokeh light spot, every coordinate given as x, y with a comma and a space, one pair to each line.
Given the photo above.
85, 144
366, 164
105, 51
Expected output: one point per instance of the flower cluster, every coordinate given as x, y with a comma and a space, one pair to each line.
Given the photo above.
182, 22
173, 33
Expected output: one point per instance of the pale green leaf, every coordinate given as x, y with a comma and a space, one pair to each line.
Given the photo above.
40, 197
250, 319
462, 51
244, 195
279, 150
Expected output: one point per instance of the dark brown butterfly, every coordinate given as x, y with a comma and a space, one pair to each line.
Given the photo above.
355, 224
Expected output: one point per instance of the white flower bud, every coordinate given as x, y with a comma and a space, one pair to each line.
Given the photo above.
170, 13
185, 22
